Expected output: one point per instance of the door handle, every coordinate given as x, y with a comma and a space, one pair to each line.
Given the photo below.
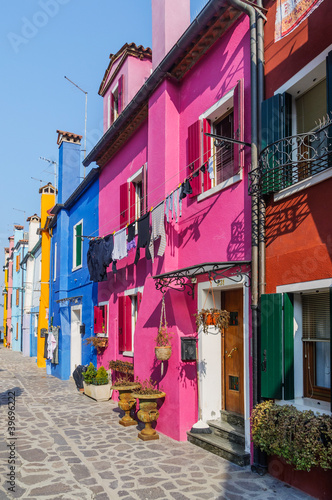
232, 350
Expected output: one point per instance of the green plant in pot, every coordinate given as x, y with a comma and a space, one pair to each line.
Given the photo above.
148, 395
96, 383
126, 386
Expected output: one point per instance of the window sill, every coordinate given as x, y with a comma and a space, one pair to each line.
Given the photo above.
76, 268
220, 187
306, 183
304, 404
128, 353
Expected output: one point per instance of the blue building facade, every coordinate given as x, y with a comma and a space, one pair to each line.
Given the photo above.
72, 294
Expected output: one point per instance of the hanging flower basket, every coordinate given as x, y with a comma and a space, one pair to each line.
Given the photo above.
163, 353
163, 348
99, 342
218, 318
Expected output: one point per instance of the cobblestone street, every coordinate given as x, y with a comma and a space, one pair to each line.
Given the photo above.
68, 446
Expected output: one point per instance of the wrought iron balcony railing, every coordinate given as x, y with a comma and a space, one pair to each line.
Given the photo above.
291, 160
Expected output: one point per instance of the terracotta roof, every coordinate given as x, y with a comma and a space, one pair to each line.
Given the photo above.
6, 249
23, 241
128, 49
68, 136
33, 216
19, 227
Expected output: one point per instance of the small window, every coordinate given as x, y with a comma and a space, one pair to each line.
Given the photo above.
115, 102
316, 345
17, 263
17, 297
128, 312
77, 245
100, 321
133, 198
224, 155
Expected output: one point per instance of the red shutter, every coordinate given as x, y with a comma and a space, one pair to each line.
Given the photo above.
238, 127
132, 201
124, 213
98, 318
124, 323
194, 137
206, 151
120, 95
145, 188
112, 108
121, 322
128, 316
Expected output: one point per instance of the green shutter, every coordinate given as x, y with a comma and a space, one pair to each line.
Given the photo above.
276, 113
288, 346
78, 245
271, 346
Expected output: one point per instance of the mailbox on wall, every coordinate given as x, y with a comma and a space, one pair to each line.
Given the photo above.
188, 348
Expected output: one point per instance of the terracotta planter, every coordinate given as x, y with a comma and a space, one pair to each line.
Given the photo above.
211, 319
163, 353
317, 482
126, 402
98, 392
148, 413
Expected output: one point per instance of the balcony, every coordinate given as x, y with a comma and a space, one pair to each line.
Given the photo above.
290, 160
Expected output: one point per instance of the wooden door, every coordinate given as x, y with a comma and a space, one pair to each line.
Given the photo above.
232, 345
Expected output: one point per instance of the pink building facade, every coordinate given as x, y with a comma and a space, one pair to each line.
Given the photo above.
153, 149
10, 292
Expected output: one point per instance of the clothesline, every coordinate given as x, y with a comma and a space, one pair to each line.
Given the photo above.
91, 236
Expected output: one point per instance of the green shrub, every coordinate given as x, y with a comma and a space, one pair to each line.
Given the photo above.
90, 374
101, 377
302, 438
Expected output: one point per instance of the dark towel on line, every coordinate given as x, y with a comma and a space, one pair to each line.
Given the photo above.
144, 236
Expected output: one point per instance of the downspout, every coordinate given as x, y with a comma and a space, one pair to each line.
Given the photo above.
251, 12
262, 205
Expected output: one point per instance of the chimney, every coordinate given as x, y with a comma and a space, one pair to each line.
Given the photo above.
69, 164
170, 19
34, 224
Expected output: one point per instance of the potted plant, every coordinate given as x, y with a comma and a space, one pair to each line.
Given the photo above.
163, 348
122, 366
125, 386
148, 395
212, 317
96, 383
98, 342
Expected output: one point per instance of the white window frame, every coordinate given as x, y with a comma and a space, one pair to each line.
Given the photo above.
214, 113
135, 178
75, 267
300, 83
300, 402
116, 91
109, 111
131, 293
106, 336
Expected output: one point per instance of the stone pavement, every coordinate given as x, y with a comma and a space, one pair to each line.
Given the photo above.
68, 446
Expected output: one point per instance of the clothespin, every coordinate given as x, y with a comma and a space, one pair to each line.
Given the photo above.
114, 233
151, 209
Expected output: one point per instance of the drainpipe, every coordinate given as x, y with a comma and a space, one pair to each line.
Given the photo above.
251, 12
262, 205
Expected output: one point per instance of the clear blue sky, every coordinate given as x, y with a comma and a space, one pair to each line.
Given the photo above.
41, 42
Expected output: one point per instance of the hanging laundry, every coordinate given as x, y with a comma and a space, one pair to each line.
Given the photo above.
95, 260
55, 345
185, 189
195, 174
158, 230
169, 205
210, 168
144, 236
120, 245
131, 243
203, 168
46, 346
176, 203
108, 249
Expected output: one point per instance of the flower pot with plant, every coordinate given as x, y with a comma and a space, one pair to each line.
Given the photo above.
100, 343
163, 348
148, 395
218, 318
96, 383
125, 386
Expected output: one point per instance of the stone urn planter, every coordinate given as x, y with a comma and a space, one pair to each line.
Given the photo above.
126, 402
148, 413
98, 392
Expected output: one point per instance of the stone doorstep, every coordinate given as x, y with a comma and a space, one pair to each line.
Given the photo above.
231, 451
231, 432
232, 418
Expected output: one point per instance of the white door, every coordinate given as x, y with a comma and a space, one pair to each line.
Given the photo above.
75, 338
